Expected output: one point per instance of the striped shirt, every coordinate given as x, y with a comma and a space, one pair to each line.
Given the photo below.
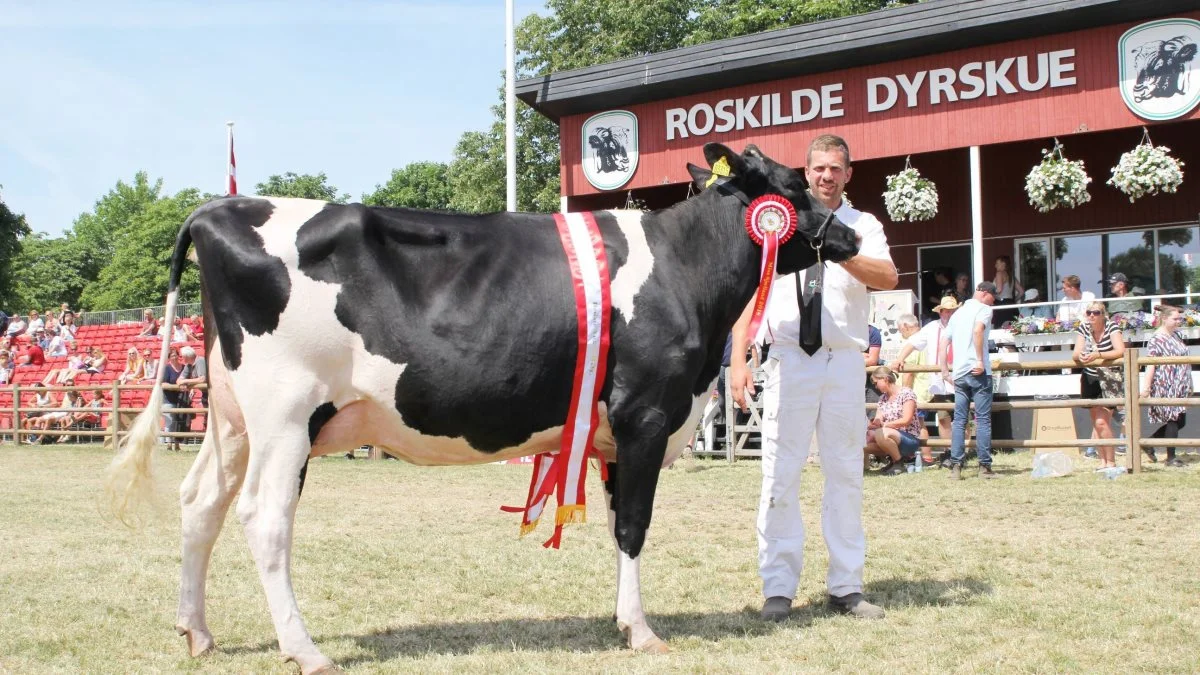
1090, 343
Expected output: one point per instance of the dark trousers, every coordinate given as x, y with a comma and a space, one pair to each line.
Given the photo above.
1170, 430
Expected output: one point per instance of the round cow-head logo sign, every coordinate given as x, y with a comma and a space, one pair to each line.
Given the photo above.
610, 149
1157, 65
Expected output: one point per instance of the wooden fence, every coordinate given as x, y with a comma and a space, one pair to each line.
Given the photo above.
739, 432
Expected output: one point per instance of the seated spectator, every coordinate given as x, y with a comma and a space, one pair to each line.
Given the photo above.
90, 417
41, 403
35, 323
198, 326
895, 431
6, 366
63, 312
180, 331
150, 365
31, 356
135, 367
68, 328
16, 326
75, 364
93, 364
60, 416
149, 324
55, 346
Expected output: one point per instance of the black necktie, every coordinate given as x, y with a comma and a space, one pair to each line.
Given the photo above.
808, 292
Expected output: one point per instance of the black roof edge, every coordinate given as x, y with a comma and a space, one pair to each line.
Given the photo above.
931, 27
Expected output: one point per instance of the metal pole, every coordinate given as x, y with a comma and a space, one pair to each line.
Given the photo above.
510, 108
230, 187
976, 217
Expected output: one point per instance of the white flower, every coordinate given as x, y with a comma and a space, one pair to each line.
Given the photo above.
1057, 182
1147, 170
910, 197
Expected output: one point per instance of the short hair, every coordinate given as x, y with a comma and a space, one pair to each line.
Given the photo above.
883, 373
1072, 280
826, 143
1164, 311
907, 320
1096, 304
187, 352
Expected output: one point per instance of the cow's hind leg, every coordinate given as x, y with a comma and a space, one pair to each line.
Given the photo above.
205, 496
267, 509
641, 445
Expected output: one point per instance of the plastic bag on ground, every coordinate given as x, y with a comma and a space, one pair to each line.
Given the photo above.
1052, 464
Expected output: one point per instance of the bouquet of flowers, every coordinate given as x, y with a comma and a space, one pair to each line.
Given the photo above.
1037, 325
909, 197
1147, 170
1057, 181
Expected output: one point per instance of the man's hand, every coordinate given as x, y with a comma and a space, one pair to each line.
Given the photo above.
896, 366
741, 382
977, 370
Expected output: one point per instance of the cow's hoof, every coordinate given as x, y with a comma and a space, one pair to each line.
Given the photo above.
654, 645
200, 642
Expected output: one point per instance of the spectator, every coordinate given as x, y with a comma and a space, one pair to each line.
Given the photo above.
55, 345
919, 382
1100, 338
150, 366
1168, 380
1008, 289
93, 364
35, 323
135, 367
149, 324
180, 332
173, 397
68, 328
962, 287
940, 288
871, 359
1074, 302
60, 416
75, 365
195, 372
895, 431
90, 417
1119, 286
63, 312
42, 401
32, 356
198, 326
6, 366
966, 334
1042, 311
927, 340
16, 326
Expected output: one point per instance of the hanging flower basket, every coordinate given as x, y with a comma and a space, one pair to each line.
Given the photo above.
1147, 170
909, 197
1057, 182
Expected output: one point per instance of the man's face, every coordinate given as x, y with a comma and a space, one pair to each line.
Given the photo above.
908, 331
1069, 290
988, 299
189, 360
827, 173
945, 314
1119, 288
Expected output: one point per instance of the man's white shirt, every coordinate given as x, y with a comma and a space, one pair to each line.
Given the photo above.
926, 340
844, 307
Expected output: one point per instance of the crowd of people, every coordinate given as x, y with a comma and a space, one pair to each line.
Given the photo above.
34, 340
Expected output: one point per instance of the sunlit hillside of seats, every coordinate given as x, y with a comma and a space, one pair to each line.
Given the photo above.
115, 340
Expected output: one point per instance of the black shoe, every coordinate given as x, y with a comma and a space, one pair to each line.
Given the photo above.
1153, 457
776, 608
893, 469
1175, 462
986, 472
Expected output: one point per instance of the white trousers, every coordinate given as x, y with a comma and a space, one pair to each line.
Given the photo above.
803, 393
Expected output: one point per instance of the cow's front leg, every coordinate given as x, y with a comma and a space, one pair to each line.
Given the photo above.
641, 445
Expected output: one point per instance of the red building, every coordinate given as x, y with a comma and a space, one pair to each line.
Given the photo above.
971, 90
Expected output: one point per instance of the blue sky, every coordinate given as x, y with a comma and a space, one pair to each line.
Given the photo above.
92, 92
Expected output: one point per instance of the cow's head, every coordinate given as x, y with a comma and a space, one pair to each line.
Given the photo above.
752, 174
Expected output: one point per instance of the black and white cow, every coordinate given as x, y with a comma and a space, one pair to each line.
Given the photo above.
445, 338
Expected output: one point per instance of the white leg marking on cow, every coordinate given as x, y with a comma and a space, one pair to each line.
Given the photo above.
205, 496
636, 270
612, 533
631, 618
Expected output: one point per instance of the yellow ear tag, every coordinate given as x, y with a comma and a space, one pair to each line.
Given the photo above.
719, 169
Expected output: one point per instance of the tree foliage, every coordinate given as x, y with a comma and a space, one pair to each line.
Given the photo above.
13, 229
304, 186
50, 272
420, 185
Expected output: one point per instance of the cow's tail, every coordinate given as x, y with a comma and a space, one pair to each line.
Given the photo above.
130, 479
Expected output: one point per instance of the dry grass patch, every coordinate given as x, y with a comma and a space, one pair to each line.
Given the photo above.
399, 568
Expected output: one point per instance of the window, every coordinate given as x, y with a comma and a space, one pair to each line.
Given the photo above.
1178, 259
1131, 253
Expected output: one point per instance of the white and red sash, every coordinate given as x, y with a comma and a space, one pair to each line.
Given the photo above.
566, 468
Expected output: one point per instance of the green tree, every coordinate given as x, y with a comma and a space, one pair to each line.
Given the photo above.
138, 273
99, 231
304, 186
420, 185
718, 19
13, 230
49, 271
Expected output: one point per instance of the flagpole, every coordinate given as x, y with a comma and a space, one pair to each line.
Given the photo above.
510, 106
230, 163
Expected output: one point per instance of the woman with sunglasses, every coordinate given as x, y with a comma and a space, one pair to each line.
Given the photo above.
1167, 381
1100, 339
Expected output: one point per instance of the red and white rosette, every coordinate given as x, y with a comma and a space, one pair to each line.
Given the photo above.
770, 221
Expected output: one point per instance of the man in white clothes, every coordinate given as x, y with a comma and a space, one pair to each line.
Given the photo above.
1074, 300
816, 386
926, 340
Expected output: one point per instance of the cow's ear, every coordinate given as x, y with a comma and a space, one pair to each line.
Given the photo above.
701, 177
715, 152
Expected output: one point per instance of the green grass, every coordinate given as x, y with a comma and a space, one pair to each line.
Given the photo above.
399, 568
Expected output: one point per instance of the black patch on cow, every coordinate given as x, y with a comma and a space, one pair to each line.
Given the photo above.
480, 309
316, 421
247, 288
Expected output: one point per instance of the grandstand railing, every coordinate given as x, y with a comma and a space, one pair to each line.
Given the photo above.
114, 417
133, 315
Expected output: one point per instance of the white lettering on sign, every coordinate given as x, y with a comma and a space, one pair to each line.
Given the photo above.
937, 86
